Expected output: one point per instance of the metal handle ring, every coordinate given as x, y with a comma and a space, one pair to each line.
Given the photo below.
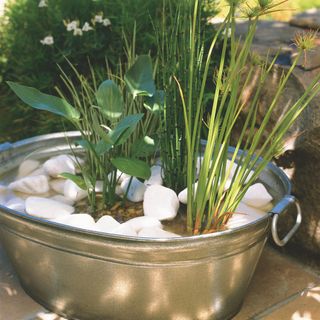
286, 201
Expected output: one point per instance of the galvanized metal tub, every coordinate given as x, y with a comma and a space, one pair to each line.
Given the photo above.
89, 275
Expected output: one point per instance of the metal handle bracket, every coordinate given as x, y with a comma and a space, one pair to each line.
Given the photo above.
277, 210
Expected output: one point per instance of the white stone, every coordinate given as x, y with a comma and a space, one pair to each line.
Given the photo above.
156, 176
31, 185
3, 195
124, 230
17, 204
198, 165
63, 199
160, 202
3, 200
78, 220
243, 215
60, 164
183, 195
119, 191
121, 176
3, 189
27, 166
38, 172
73, 192
99, 186
233, 171
78, 162
136, 189
47, 208
57, 185
257, 196
139, 223
47, 316
154, 232
107, 224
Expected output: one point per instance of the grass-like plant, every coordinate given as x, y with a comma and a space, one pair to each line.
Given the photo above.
114, 119
212, 195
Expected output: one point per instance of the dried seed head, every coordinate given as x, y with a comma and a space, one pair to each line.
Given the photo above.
235, 3
251, 13
265, 4
305, 40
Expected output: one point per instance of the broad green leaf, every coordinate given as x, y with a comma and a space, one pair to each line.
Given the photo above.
110, 100
144, 147
102, 147
79, 181
139, 77
132, 167
156, 102
125, 128
100, 131
38, 100
85, 144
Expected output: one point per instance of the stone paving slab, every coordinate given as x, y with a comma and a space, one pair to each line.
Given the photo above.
280, 289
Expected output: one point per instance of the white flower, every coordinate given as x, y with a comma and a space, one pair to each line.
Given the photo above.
98, 18
43, 3
106, 22
47, 41
86, 27
77, 32
73, 25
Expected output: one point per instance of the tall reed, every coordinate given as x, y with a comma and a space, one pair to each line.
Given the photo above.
216, 179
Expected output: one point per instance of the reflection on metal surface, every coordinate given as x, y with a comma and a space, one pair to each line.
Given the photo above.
85, 275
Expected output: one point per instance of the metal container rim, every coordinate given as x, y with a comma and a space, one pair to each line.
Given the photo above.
95, 234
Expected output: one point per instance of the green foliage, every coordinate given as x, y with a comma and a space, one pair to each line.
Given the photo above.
105, 129
24, 59
132, 167
217, 196
182, 48
109, 93
139, 78
38, 100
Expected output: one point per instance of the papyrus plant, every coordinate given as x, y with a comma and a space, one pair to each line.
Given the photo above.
212, 199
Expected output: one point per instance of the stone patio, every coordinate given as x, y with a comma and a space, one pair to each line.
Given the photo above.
281, 289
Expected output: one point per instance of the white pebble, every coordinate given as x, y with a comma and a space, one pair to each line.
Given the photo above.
121, 176
60, 164
154, 232
26, 167
47, 316
156, 176
17, 204
139, 223
57, 185
78, 220
160, 202
124, 230
257, 196
38, 172
73, 192
233, 171
99, 186
183, 195
3, 189
31, 185
63, 199
244, 215
106, 224
3, 200
198, 165
136, 190
47, 208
